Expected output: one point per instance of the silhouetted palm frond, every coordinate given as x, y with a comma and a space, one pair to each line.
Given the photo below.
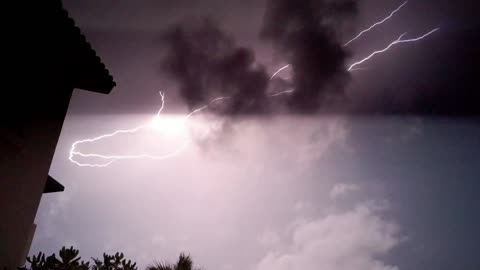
159, 266
184, 262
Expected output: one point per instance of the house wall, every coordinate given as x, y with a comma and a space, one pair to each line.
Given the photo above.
26, 153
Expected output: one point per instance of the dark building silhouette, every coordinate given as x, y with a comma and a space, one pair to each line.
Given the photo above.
45, 57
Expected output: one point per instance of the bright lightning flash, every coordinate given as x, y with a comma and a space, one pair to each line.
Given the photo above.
158, 123
174, 127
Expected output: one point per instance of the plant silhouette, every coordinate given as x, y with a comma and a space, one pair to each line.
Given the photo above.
69, 259
184, 263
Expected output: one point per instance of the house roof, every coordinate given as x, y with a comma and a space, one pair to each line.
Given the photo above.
91, 72
55, 50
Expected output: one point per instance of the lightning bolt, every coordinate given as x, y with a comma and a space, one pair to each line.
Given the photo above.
353, 67
109, 159
355, 38
375, 24
356, 69
396, 42
278, 71
281, 93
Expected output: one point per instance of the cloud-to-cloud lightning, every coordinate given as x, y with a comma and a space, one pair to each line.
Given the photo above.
375, 24
396, 42
353, 67
157, 120
279, 70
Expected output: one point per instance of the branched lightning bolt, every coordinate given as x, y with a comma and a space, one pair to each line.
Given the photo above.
396, 42
375, 24
353, 67
74, 152
356, 37
109, 159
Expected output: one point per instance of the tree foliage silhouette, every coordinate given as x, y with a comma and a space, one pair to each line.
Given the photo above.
184, 263
114, 262
69, 260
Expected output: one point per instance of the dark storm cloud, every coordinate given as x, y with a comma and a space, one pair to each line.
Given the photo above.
434, 77
206, 64
306, 33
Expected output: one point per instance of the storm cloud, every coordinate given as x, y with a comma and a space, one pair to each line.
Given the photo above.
206, 63
306, 32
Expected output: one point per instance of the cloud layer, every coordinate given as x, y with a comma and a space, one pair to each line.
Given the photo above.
354, 239
206, 63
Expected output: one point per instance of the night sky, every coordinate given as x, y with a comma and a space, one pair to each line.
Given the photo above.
373, 169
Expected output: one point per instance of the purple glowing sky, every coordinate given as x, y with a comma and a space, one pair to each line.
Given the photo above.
280, 192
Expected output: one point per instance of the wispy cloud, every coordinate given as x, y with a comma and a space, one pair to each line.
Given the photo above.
342, 189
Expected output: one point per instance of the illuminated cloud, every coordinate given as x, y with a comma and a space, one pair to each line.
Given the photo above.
355, 239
